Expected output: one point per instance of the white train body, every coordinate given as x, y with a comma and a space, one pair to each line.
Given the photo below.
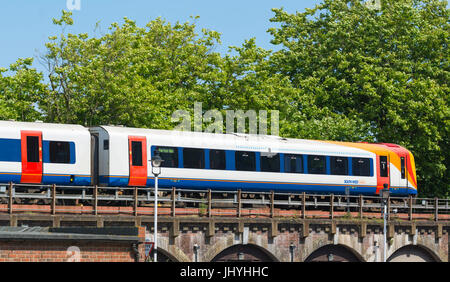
116, 167
118, 156
44, 153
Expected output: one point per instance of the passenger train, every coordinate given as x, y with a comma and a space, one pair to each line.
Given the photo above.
74, 155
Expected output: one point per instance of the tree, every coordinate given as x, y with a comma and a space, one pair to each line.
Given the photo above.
387, 67
20, 91
131, 76
139, 76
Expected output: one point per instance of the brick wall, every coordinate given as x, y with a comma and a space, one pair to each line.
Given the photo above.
63, 251
28, 250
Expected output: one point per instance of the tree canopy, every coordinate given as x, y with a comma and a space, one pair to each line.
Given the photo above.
388, 67
345, 72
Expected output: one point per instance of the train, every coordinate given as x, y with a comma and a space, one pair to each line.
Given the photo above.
117, 156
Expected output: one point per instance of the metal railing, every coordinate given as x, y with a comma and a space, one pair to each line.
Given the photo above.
53, 199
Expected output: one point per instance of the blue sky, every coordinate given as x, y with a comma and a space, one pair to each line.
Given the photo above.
25, 25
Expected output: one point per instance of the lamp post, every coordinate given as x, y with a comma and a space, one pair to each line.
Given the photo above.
156, 170
196, 247
384, 198
291, 249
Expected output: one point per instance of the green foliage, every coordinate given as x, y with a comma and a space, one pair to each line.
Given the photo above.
131, 76
20, 91
388, 68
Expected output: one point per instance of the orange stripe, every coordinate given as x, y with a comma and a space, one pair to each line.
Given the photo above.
380, 149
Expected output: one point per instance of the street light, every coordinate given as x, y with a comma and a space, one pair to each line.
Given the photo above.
196, 247
291, 249
156, 170
384, 198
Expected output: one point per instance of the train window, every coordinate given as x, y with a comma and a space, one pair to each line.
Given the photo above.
361, 166
402, 165
383, 166
317, 164
193, 158
245, 161
339, 165
33, 149
59, 152
169, 155
217, 159
270, 163
293, 163
106, 144
136, 153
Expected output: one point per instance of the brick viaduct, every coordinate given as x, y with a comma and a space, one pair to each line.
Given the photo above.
204, 239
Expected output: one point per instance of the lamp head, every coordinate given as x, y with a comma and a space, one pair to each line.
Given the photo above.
156, 161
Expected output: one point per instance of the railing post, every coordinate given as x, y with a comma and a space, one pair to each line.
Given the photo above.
303, 205
209, 203
272, 204
331, 206
389, 208
95, 199
436, 209
173, 201
361, 204
10, 201
239, 195
410, 212
135, 201
53, 199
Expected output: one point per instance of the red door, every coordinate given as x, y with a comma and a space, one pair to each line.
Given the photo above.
383, 172
138, 160
31, 143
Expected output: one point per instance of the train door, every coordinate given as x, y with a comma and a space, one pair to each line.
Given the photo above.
137, 146
383, 172
94, 159
31, 146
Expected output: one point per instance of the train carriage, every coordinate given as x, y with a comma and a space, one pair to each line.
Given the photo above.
44, 153
250, 162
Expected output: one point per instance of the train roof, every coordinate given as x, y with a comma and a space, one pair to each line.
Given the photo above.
252, 142
41, 125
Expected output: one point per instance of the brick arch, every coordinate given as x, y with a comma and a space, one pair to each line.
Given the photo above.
163, 255
338, 252
249, 250
412, 252
171, 250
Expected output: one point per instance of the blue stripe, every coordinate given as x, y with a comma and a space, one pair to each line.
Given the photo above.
305, 164
122, 181
230, 160
65, 180
10, 150
46, 151
78, 180
350, 166
5, 178
258, 161
327, 163
371, 167
180, 157
281, 162
216, 184
207, 161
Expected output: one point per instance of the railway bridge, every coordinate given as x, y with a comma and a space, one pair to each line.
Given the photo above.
204, 226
